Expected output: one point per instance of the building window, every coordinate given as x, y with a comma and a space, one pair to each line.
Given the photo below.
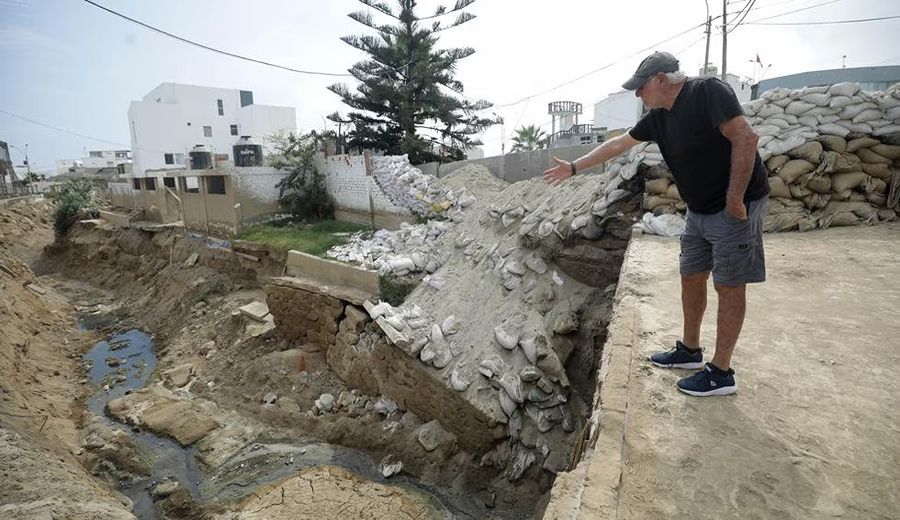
221, 107
234, 130
150, 183
169, 182
215, 185
136, 184
170, 158
207, 131
190, 185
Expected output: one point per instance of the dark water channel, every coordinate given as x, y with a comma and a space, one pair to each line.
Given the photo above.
256, 464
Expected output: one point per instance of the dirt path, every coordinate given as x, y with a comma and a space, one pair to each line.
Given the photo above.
814, 429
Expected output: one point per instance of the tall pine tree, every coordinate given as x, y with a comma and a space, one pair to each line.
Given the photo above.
399, 106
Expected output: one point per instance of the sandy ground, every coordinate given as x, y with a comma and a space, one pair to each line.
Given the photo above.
814, 430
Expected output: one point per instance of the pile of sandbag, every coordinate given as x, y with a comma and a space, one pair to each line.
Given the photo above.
827, 150
407, 187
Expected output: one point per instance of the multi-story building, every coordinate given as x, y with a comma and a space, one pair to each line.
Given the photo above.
173, 120
95, 161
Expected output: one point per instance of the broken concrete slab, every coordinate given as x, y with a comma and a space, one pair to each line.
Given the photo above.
36, 289
257, 329
180, 375
256, 310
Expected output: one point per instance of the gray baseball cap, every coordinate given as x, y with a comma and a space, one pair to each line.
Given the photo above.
651, 66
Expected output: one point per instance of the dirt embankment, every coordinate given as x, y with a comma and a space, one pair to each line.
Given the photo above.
40, 348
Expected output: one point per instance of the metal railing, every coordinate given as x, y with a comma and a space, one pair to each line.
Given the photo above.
8, 191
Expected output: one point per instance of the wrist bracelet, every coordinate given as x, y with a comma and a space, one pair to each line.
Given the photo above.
572, 165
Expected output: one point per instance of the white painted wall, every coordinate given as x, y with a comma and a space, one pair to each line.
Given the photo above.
619, 110
159, 123
350, 187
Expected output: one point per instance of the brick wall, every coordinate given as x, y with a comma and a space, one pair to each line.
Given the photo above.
352, 186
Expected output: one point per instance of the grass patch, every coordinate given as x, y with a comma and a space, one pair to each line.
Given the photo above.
314, 238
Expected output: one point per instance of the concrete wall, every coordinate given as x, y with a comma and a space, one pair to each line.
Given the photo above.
120, 195
171, 117
521, 166
350, 184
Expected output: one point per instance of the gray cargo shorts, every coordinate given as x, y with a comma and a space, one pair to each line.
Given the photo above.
731, 248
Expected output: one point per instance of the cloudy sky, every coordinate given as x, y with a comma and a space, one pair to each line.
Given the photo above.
72, 66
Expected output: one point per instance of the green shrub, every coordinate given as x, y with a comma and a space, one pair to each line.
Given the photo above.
395, 289
302, 192
74, 198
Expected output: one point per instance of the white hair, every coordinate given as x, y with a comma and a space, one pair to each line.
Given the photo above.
675, 77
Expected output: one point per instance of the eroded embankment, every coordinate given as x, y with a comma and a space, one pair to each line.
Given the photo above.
258, 406
40, 393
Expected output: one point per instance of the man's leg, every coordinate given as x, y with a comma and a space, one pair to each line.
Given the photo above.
732, 306
693, 306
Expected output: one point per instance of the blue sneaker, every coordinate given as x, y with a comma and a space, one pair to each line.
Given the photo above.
678, 357
709, 381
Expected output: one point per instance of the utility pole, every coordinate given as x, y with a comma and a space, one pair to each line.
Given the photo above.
27, 162
706, 56
724, 38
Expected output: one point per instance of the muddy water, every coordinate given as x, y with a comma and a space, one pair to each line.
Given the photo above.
126, 361
135, 362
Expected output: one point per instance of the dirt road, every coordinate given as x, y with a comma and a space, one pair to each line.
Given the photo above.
814, 429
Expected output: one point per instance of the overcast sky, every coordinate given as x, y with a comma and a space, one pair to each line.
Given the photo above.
68, 64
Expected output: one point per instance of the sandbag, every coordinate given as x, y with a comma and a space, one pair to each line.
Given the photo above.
834, 162
847, 181
816, 200
794, 169
867, 155
809, 151
861, 142
878, 199
843, 101
798, 107
851, 111
874, 185
893, 113
820, 89
776, 161
887, 150
878, 123
887, 215
780, 146
778, 188
824, 119
672, 192
843, 89
652, 202
768, 129
856, 128
769, 110
867, 115
833, 129
885, 130
820, 99
879, 170
833, 143
817, 183
779, 122
798, 192
657, 186
808, 120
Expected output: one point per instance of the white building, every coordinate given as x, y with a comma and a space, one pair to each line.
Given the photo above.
623, 109
96, 159
173, 119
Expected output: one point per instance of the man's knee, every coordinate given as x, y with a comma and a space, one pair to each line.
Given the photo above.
730, 290
695, 277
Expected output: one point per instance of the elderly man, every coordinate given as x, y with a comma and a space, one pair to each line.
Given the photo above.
710, 148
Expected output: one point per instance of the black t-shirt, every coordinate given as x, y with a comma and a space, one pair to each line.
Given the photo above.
698, 155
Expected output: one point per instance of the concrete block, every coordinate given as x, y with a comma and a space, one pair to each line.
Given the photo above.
330, 272
255, 310
116, 219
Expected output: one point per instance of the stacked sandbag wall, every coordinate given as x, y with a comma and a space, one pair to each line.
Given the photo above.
832, 154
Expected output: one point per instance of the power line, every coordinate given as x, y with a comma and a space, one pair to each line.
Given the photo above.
76, 134
794, 11
213, 49
827, 23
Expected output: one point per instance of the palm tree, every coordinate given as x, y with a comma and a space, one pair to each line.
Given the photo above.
529, 138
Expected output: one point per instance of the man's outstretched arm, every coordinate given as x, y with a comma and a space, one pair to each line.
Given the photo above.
606, 151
